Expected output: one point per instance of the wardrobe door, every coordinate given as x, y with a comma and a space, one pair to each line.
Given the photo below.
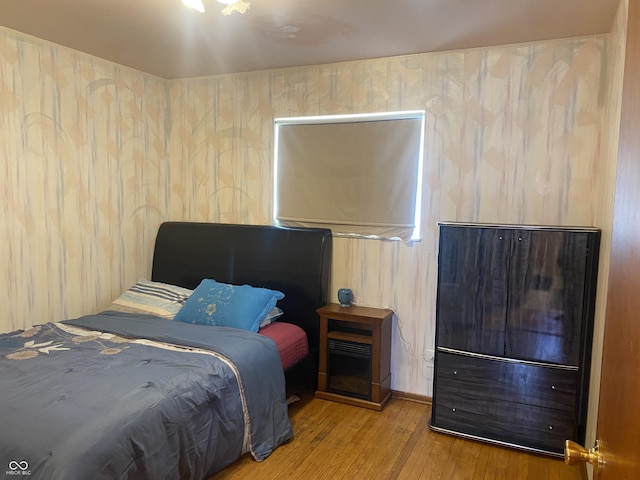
472, 289
546, 296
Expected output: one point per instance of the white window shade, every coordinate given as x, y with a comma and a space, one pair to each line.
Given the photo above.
360, 176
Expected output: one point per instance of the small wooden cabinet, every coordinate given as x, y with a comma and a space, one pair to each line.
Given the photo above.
355, 355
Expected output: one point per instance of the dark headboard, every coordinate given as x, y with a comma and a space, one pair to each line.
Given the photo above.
295, 261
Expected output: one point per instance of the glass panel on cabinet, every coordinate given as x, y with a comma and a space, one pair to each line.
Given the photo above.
545, 298
472, 293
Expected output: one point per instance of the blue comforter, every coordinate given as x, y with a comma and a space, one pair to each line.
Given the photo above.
90, 403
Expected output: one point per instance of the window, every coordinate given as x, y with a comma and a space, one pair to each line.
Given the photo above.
355, 174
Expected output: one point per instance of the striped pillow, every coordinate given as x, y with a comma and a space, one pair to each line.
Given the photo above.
152, 298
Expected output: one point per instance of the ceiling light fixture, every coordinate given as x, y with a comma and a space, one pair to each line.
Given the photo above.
239, 6
195, 4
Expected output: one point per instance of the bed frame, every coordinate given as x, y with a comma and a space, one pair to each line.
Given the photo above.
295, 261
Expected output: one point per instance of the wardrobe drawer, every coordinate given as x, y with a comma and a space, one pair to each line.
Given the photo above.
504, 380
500, 420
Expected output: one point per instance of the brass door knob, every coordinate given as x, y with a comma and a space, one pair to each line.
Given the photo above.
575, 454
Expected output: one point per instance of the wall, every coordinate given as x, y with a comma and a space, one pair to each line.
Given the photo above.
97, 155
513, 135
83, 179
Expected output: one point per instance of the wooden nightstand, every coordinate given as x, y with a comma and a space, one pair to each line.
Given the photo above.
355, 355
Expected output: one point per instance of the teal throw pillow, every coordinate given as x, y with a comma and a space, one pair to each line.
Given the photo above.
225, 305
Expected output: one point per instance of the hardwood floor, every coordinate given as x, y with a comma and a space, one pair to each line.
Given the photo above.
337, 441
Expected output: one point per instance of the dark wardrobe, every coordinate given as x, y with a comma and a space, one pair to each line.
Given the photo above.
514, 327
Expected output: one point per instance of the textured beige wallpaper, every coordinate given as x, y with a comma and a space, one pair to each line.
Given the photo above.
83, 179
96, 156
513, 135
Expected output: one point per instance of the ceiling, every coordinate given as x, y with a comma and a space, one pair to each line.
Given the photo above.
166, 39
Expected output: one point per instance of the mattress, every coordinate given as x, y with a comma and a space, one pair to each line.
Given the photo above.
291, 341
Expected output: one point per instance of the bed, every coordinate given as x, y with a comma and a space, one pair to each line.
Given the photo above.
127, 394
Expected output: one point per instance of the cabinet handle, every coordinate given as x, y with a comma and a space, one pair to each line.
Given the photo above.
453, 409
455, 372
553, 387
550, 427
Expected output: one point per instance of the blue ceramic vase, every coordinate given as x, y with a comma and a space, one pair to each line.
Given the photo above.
344, 297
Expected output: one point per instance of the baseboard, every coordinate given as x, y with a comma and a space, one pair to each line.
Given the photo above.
411, 397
